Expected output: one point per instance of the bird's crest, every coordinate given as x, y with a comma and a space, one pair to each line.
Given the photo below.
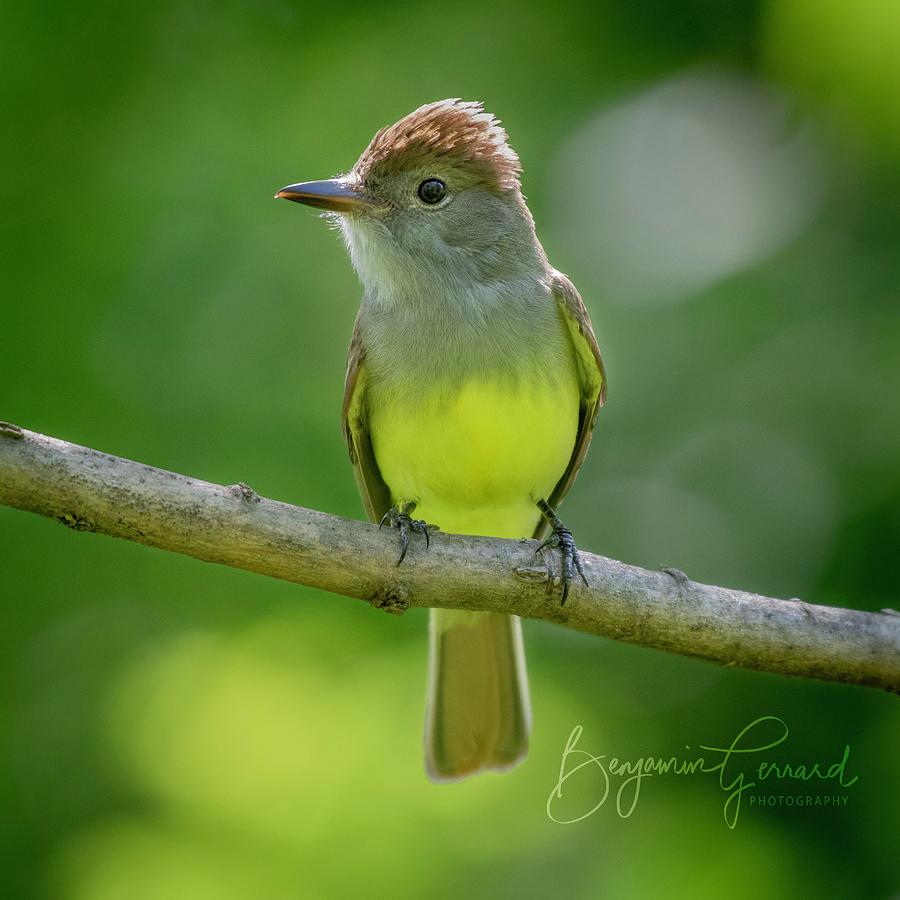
452, 130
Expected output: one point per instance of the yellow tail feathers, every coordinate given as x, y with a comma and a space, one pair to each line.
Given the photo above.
478, 715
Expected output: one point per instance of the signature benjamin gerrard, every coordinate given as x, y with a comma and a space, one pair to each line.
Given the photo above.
744, 759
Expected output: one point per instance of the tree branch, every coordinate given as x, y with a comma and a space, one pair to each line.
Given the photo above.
92, 491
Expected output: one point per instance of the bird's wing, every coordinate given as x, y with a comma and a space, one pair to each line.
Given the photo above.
591, 378
374, 492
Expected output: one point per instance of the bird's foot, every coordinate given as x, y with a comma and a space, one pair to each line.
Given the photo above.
400, 517
562, 540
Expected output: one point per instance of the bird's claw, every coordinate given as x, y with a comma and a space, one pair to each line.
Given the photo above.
562, 539
399, 517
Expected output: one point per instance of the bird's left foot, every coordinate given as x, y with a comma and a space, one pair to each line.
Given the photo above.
401, 517
562, 540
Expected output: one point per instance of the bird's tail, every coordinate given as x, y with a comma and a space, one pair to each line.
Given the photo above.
478, 715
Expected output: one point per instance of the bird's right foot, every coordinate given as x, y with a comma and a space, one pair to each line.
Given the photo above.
400, 517
561, 538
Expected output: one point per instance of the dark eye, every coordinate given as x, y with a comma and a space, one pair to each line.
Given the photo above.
432, 190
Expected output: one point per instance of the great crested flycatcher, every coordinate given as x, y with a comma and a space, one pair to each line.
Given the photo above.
473, 382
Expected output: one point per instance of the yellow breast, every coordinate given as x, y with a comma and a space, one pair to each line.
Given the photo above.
476, 458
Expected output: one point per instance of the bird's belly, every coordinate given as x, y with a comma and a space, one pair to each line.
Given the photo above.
477, 457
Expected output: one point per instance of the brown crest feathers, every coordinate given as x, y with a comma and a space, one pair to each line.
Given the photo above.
452, 130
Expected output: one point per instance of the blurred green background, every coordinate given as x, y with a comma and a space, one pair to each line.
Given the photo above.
721, 182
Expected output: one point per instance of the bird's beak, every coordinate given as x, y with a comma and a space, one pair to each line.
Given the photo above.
335, 194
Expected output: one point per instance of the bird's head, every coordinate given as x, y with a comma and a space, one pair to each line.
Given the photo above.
435, 195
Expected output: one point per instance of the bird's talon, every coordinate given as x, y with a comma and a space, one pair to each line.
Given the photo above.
579, 566
562, 540
399, 517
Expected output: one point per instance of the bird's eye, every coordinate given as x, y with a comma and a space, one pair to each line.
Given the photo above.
432, 190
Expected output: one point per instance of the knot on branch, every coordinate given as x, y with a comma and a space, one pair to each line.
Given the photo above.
7, 429
391, 598
244, 491
75, 522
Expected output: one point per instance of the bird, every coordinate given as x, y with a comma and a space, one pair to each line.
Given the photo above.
473, 383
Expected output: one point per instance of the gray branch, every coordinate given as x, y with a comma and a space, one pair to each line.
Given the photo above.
91, 491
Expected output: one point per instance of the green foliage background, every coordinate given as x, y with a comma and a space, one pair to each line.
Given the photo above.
171, 729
